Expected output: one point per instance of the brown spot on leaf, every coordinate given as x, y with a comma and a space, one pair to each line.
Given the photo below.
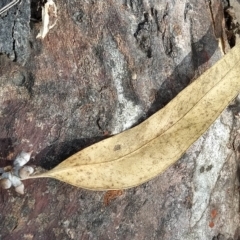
117, 147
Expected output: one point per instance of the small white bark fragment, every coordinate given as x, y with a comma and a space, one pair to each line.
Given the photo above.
14, 179
25, 172
20, 189
5, 183
49, 18
21, 159
11, 176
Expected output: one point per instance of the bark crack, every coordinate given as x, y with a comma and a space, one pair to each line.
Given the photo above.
13, 30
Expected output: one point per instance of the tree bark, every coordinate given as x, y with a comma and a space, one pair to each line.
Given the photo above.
105, 67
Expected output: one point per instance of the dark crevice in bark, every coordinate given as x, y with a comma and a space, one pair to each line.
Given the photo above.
36, 9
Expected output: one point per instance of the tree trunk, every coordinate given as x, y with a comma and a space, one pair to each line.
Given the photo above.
106, 66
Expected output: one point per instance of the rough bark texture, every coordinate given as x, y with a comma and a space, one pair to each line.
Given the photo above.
106, 66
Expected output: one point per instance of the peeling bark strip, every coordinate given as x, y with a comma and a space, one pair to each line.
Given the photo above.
49, 18
66, 92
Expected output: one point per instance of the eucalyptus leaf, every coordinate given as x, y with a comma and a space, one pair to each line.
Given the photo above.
141, 153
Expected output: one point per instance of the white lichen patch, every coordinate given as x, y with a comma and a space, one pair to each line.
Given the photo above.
127, 112
209, 164
208, 167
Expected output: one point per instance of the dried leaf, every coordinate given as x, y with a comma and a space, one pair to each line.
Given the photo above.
141, 153
49, 18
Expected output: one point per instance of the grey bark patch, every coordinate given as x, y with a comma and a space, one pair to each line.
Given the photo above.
18, 78
15, 32
128, 111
